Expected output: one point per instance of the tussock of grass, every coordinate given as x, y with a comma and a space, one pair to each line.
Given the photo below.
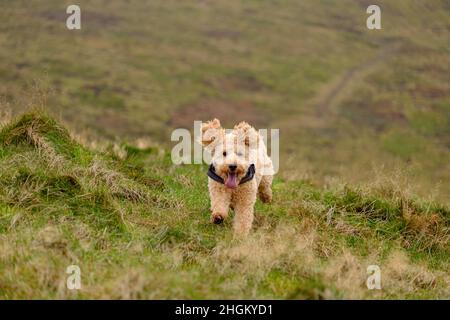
138, 227
345, 96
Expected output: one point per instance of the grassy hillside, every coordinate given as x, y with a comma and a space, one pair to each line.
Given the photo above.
139, 227
347, 100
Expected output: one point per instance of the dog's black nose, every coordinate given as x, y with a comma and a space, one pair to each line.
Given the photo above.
232, 167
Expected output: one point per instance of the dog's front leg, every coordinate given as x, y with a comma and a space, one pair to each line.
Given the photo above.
244, 201
220, 201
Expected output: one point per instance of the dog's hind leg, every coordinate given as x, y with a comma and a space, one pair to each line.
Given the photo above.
265, 189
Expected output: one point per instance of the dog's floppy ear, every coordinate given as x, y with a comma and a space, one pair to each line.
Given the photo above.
211, 132
247, 133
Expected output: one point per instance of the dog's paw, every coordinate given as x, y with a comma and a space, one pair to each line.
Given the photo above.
217, 219
265, 197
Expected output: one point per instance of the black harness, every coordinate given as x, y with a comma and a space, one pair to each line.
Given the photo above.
248, 176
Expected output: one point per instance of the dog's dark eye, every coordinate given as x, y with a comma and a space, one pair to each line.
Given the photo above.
224, 153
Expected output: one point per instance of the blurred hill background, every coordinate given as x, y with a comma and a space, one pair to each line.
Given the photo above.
349, 102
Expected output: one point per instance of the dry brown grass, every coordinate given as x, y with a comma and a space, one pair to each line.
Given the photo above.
61, 204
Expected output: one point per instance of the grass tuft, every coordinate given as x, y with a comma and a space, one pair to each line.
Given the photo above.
138, 227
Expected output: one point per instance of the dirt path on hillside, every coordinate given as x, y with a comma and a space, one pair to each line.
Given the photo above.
322, 108
330, 96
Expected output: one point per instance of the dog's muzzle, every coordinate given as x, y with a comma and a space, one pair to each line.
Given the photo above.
248, 176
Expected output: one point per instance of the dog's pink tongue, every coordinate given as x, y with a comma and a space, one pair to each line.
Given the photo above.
231, 181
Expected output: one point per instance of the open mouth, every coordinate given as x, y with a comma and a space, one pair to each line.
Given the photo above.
231, 181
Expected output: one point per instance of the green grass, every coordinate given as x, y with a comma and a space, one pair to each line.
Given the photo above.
347, 99
138, 227
370, 108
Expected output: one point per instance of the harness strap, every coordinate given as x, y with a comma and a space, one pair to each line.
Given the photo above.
248, 176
